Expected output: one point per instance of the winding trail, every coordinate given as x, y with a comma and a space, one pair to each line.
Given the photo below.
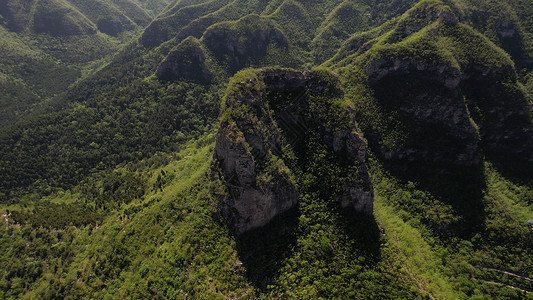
508, 285
499, 283
507, 273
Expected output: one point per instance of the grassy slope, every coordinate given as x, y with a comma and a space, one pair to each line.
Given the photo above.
169, 242
445, 266
502, 234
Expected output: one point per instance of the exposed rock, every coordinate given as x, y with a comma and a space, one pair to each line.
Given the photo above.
285, 79
186, 61
512, 41
502, 112
249, 205
382, 67
448, 18
423, 15
234, 45
427, 97
357, 194
262, 115
228, 43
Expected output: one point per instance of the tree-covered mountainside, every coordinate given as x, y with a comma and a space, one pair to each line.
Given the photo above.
48, 45
266, 149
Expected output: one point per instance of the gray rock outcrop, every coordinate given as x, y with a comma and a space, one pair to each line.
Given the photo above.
263, 116
436, 122
449, 113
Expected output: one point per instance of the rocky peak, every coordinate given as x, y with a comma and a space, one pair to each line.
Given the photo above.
427, 12
268, 114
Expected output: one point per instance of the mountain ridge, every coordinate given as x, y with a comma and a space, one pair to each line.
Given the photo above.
113, 188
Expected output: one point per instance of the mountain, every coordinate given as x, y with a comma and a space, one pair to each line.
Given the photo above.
266, 149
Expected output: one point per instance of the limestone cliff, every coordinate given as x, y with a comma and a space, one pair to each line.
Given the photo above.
439, 96
273, 122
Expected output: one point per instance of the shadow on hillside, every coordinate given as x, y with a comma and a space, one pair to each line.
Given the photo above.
502, 113
517, 169
460, 187
441, 157
263, 250
364, 232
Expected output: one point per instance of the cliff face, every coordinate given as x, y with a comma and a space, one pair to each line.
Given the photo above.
503, 114
273, 123
452, 115
439, 96
435, 122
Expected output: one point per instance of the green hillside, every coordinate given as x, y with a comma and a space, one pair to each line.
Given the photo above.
144, 145
48, 45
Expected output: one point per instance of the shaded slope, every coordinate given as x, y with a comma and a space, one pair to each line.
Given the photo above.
169, 242
413, 81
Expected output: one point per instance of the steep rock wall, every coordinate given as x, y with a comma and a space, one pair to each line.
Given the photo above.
439, 97
267, 130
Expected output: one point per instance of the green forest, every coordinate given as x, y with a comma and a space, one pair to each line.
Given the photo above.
258, 149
